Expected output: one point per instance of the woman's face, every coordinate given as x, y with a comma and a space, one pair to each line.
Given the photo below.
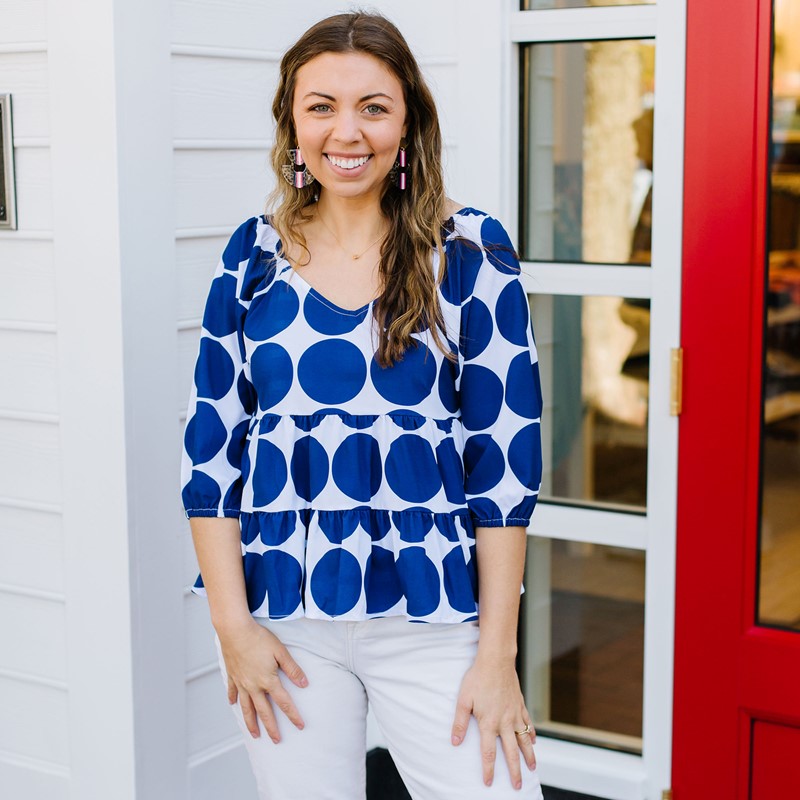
349, 114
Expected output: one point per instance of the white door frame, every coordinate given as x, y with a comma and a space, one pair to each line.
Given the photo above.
579, 767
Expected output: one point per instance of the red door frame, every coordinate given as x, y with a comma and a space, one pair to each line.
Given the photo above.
728, 672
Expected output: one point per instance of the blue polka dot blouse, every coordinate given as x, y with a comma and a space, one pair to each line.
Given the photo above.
358, 488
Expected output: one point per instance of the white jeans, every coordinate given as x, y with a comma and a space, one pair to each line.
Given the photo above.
410, 674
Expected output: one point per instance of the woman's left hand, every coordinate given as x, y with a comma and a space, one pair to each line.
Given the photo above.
490, 691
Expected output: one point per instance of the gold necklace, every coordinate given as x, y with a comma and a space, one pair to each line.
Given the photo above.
355, 256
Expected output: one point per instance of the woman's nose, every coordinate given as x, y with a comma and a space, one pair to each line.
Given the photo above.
346, 127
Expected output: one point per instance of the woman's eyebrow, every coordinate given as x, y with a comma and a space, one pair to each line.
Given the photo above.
361, 100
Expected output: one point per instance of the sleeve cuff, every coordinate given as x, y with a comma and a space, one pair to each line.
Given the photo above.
501, 523
212, 512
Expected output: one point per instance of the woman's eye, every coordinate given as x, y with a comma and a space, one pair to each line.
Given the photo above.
375, 109
323, 108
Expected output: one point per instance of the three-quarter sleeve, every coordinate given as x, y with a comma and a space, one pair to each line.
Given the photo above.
501, 399
222, 399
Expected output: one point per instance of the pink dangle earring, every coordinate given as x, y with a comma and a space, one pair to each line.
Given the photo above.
295, 172
399, 172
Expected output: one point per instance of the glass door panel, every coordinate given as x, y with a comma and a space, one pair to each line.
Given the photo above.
587, 137
779, 556
594, 358
583, 641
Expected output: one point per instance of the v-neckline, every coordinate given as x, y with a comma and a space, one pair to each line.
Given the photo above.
315, 292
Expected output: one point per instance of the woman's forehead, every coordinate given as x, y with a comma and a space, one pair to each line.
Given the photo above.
347, 75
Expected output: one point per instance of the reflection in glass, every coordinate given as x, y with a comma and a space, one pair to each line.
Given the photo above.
532, 5
582, 641
587, 137
594, 357
779, 584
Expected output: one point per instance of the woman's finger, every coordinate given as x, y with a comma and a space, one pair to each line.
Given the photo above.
291, 668
249, 714
267, 716
525, 742
233, 692
460, 722
284, 702
511, 750
526, 718
488, 752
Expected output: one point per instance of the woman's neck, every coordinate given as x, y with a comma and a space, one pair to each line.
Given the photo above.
354, 221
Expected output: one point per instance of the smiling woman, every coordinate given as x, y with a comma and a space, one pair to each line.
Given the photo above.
363, 430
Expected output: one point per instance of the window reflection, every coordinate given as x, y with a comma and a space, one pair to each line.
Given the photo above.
779, 595
582, 641
587, 133
594, 357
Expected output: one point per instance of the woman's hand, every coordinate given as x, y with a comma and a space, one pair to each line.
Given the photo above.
253, 656
490, 690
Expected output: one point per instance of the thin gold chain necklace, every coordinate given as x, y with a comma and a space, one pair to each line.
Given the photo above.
355, 256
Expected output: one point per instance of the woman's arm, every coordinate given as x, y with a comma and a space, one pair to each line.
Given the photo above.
253, 655
490, 689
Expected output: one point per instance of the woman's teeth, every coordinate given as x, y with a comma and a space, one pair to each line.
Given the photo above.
347, 163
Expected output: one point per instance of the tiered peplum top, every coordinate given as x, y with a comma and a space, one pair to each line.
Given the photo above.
359, 488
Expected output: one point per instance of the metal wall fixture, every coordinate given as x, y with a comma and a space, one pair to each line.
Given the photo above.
8, 205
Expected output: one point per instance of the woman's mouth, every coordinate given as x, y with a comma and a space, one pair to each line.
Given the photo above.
347, 163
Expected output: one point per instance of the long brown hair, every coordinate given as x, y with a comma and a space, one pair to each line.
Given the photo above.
409, 301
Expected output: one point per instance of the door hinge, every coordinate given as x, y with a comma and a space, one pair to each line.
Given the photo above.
666, 794
676, 381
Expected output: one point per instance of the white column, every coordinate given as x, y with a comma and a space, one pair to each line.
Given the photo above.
111, 160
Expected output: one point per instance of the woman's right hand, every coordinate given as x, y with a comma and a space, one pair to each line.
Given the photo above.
253, 655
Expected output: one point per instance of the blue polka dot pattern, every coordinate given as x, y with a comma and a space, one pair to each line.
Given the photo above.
448, 374
357, 467
358, 488
413, 527
272, 374
499, 250
330, 321
409, 381
512, 314
309, 467
215, 380
272, 312
332, 371
483, 462
522, 387
221, 317
336, 582
458, 587
480, 326
420, 581
482, 403
411, 469
522, 455
337, 526
381, 581
269, 476
205, 434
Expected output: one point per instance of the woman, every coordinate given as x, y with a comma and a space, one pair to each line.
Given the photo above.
363, 429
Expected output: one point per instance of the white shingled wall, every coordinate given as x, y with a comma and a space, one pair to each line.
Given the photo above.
34, 753
95, 555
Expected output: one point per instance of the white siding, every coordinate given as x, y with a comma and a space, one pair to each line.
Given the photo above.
34, 756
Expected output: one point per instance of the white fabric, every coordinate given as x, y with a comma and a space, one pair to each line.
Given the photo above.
410, 674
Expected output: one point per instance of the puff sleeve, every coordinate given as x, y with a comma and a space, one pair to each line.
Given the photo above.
222, 398
501, 399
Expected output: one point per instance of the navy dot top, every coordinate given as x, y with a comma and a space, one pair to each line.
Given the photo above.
358, 488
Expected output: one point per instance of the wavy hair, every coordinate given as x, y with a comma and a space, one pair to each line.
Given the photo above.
409, 301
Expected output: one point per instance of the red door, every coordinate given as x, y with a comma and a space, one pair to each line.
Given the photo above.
736, 728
